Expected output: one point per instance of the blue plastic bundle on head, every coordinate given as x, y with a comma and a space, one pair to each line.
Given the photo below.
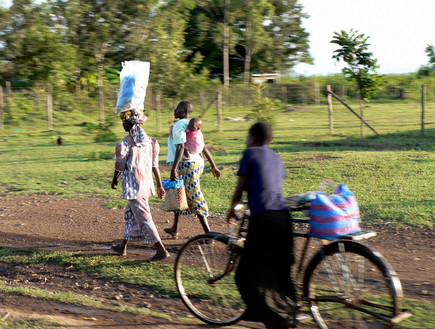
133, 84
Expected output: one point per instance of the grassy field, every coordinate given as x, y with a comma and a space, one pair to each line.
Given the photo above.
392, 174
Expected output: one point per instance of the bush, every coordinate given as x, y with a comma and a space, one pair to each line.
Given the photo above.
263, 107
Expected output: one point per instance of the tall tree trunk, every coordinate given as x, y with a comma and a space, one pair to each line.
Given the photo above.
99, 58
78, 85
100, 92
226, 45
248, 57
248, 49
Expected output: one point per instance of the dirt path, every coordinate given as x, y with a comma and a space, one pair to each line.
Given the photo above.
39, 221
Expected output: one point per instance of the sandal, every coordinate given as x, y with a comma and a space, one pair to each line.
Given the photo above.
119, 250
159, 256
172, 233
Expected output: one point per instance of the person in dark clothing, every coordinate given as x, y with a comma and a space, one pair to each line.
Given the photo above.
263, 276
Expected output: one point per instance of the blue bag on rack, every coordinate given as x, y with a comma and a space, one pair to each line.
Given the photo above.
334, 215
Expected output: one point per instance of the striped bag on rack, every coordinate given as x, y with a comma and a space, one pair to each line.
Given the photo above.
334, 215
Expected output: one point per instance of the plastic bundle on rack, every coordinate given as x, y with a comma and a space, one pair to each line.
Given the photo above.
133, 84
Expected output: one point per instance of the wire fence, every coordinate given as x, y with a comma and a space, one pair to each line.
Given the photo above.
17, 103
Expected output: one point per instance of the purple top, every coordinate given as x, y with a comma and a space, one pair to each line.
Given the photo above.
265, 172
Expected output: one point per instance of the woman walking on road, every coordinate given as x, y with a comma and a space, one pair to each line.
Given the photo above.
137, 158
190, 170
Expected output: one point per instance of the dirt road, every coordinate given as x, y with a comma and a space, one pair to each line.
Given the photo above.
44, 222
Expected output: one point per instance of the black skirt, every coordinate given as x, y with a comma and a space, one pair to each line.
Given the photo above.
263, 276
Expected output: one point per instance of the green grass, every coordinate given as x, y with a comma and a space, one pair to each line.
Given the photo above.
390, 174
156, 276
30, 323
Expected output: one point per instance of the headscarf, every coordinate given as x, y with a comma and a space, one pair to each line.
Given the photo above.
136, 118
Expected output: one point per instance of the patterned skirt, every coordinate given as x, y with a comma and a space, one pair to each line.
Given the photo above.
191, 172
139, 224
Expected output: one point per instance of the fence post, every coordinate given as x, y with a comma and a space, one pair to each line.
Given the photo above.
158, 112
202, 98
1, 108
316, 92
284, 95
423, 109
49, 108
219, 110
101, 103
361, 113
8, 89
330, 110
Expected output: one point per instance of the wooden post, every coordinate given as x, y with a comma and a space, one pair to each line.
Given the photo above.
101, 103
330, 109
353, 111
169, 104
158, 112
50, 108
202, 98
1, 108
423, 109
149, 101
219, 110
284, 95
8, 89
316, 92
361, 113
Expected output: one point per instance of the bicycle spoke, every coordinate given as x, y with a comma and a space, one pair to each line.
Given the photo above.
205, 280
349, 287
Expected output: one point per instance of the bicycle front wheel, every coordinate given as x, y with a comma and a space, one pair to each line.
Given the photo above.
348, 286
204, 274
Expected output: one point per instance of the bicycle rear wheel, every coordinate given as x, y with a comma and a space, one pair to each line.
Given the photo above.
204, 274
348, 286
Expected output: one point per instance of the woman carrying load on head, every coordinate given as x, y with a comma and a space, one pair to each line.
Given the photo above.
137, 158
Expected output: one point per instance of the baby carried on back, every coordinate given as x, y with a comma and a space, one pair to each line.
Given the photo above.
194, 139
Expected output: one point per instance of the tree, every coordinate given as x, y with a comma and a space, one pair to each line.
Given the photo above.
290, 44
361, 65
429, 69
430, 51
33, 46
251, 34
171, 73
264, 108
209, 32
261, 35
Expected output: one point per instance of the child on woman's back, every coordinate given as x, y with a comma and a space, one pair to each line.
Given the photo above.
194, 138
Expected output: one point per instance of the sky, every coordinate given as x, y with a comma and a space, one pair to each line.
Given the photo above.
399, 31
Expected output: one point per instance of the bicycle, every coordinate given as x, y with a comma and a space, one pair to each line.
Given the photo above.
345, 282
